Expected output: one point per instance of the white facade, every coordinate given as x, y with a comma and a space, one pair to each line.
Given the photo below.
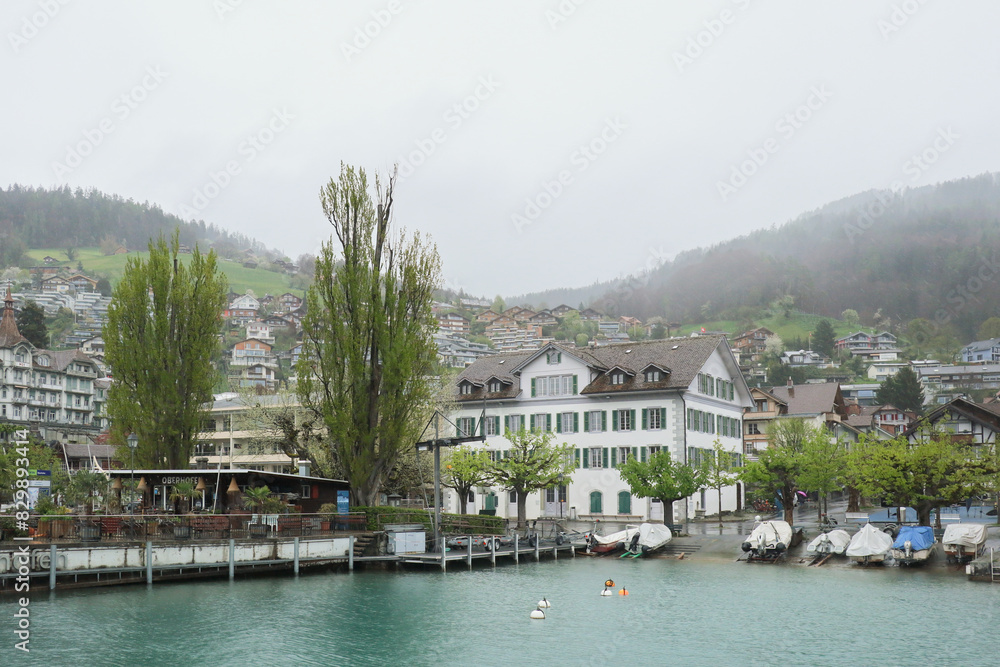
607, 403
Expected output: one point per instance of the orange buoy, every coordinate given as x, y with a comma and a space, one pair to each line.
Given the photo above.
623, 591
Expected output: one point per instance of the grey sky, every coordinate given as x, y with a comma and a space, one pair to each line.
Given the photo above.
590, 138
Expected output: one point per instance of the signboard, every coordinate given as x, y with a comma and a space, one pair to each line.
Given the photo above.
343, 502
39, 473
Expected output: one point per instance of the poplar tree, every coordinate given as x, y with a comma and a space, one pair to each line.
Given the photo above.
160, 338
367, 349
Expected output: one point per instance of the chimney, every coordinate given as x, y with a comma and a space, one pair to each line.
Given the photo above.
789, 383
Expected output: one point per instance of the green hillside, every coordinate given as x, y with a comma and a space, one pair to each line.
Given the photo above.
97, 265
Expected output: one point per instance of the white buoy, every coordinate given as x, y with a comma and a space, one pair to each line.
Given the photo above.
606, 592
544, 604
538, 614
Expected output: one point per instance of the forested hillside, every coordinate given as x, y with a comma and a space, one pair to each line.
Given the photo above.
928, 253
61, 218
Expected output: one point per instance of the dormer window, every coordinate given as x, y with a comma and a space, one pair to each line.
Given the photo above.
553, 357
653, 375
465, 388
617, 378
495, 386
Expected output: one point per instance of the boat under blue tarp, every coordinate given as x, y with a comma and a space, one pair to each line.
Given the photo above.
919, 537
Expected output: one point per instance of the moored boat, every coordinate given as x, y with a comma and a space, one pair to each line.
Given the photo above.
913, 545
649, 538
769, 541
869, 545
963, 541
602, 544
832, 542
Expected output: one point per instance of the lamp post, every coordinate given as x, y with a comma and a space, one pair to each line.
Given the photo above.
133, 442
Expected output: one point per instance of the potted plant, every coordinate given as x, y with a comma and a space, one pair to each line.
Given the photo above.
259, 500
84, 488
327, 511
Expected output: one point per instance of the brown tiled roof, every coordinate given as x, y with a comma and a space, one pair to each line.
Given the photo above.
858, 421
809, 399
681, 358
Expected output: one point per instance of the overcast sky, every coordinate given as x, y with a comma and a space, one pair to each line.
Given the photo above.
541, 143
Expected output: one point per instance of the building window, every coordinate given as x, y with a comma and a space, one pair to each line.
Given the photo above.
465, 388
491, 425
617, 378
595, 421
567, 422
541, 423
596, 502
652, 375
653, 450
596, 457
553, 357
623, 455
554, 385
515, 423
753, 428
466, 426
494, 386
655, 423
625, 420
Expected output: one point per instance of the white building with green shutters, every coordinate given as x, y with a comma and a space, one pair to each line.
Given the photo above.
609, 403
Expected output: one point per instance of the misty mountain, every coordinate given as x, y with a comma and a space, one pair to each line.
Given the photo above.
928, 252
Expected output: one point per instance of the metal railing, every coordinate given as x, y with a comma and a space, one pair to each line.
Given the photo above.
143, 527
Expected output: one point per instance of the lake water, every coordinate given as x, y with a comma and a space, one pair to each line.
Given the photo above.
695, 611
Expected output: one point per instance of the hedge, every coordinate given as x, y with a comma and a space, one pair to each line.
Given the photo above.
456, 524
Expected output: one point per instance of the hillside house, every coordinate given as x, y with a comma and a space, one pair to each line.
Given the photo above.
981, 350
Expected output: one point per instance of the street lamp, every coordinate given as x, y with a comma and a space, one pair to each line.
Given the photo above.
133, 442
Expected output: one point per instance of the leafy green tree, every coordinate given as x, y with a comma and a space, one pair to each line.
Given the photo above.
850, 316
85, 488
990, 328
465, 469
719, 471
824, 464
161, 336
104, 286
581, 340
778, 469
902, 390
823, 338
31, 324
663, 478
932, 472
498, 305
531, 463
40, 456
367, 346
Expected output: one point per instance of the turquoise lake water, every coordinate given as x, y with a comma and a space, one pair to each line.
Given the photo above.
687, 612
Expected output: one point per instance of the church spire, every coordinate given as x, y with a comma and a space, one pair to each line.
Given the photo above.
9, 334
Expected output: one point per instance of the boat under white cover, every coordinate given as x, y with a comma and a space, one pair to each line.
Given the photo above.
769, 540
869, 545
649, 538
963, 541
832, 542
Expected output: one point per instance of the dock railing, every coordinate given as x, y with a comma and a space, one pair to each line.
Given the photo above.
143, 527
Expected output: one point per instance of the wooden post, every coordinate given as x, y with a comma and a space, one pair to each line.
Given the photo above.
517, 549
52, 567
536, 547
149, 563
493, 552
295, 550
232, 559
468, 554
350, 552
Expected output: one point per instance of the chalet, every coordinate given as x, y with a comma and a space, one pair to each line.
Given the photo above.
678, 395
587, 315
257, 375
252, 350
487, 316
278, 322
260, 331
965, 421
454, 323
543, 318
56, 284
562, 310
820, 405
288, 302
82, 283
861, 342
752, 343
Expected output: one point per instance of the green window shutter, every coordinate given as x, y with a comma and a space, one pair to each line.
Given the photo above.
690, 420
558, 424
558, 357
631, 421
614, 457
712, 428
576, 458
614, 420
586, 421
663, 418
586, 458
576, 422
604, 457
496, 424
575, 392
643, 451
604, 420
635, 453
506, 423
532, 387
548, 423
645, 421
